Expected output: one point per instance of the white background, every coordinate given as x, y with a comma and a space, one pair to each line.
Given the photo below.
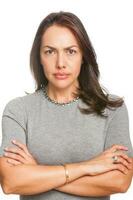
109, 26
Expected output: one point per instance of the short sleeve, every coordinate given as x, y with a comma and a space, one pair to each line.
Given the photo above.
117, 131
13, 123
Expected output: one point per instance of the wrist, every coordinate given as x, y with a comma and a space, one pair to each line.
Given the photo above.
85, 167
67, 175
77, 169
73, 171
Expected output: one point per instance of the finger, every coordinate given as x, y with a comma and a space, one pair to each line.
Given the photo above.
13, 162
124, 162
124, 156
22, 146
15, 157
118, 147
17, 151
120, 167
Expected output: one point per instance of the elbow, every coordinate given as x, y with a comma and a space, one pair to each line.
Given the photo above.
6, 188
5, 177
126, 181
123, 186
123, 189
123, 181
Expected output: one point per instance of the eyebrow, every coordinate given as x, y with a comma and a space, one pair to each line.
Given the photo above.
64, 48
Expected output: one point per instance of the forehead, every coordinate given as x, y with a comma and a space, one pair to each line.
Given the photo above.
59, 36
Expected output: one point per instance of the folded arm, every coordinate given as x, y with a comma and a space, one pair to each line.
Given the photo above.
100, 185
33, 179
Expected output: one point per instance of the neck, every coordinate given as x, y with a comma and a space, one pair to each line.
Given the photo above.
61, 95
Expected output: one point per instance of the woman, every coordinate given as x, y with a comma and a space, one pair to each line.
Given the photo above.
69, 139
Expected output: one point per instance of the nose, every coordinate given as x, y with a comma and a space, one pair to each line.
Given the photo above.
60, 61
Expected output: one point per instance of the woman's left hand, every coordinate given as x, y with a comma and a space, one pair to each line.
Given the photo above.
21, 155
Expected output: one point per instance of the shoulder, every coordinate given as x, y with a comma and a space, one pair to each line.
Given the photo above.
113, 111
21, 103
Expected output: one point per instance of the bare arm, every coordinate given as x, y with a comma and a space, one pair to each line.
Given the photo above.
87, 185
34, 179
34, 182
100, 185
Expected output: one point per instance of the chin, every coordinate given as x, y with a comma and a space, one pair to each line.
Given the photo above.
61, 85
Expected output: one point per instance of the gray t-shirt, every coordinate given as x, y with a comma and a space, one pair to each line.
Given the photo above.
57, 134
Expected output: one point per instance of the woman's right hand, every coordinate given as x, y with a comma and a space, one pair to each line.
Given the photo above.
104, 162
20, 155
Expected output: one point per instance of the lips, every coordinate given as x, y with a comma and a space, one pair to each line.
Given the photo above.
61, 76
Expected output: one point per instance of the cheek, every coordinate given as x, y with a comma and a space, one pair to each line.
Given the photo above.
78, 60
76, 71
46, 62
77, 67
47, 71
47, 65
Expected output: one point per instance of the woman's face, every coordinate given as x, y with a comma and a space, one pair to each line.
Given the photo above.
60, 53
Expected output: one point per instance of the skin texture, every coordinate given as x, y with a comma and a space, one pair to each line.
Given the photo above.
93, 177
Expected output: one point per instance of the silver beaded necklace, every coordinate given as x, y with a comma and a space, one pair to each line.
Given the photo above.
55, 102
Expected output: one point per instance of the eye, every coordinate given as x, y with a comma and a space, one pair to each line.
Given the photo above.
71, 51
49, 51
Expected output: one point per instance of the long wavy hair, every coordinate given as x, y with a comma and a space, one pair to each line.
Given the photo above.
92, 94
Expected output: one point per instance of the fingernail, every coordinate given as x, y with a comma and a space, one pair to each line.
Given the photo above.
14, 141
6, 148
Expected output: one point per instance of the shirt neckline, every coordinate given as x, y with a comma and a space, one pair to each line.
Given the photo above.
43, 90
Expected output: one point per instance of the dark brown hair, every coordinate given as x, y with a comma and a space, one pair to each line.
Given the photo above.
90, 91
